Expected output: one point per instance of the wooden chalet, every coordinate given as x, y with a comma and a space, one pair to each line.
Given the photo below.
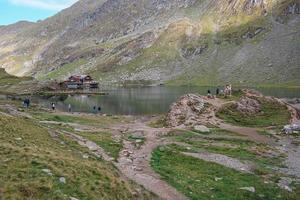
80, 82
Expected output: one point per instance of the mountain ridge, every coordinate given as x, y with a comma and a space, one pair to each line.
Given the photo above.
153, 41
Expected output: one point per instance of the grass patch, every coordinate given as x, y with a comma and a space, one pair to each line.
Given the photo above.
272, 114
229, 145
196, 179
106, 141
98, 121
26, 149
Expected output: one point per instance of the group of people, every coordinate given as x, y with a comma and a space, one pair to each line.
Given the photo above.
96, 109
226, 92
26, 103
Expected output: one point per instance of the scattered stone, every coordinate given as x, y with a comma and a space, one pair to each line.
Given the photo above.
284, 183
218, 179
62, 180
85, 156
201, 128
47, 171
138, 141
290, 129
250, 189
73, 198
138, 169
18, 139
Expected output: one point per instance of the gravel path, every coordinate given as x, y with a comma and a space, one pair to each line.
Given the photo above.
135, 163
222, 160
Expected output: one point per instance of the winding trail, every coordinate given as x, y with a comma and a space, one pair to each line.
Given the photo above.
251, 133
135, 163
222, 160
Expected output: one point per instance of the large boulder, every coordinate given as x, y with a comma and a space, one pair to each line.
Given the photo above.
186, 111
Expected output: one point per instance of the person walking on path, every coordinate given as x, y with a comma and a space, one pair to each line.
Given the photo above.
217, 92
69, 108
53, 106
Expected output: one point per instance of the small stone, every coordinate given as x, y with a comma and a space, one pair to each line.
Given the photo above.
138, 141
218, 179
62, 180
250, 189
47, 171
138, 169
288, 188
201, 128
18, 139
73, 198
85, 156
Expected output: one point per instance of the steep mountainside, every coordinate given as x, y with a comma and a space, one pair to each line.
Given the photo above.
201, 42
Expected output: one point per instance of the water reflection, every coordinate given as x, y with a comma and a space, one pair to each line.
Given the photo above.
141, 101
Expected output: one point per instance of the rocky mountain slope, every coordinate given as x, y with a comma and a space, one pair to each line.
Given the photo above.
199, 42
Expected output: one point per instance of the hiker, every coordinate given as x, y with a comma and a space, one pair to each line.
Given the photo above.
209, 94
26, 103
53, 106
69, 108
230, 90
94, 110
217, 92
99, 109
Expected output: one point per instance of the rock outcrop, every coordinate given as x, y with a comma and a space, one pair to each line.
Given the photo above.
186, 111
248, 106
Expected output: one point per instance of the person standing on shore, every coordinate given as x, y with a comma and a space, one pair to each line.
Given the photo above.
217, 92
69, 108
53, 106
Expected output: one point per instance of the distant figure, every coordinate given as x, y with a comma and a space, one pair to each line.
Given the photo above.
69, 108
99, 109
217, 92
209, 94
26, 103
230, 90
53, 106
95, 109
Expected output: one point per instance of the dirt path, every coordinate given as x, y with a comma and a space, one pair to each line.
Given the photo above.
222, 160
211, 118
135, 163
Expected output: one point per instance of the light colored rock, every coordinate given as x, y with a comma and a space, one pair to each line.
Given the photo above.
85, 156
218, 179
47, 171
291, 128
250, 189
62, 180
73, 198
201, 128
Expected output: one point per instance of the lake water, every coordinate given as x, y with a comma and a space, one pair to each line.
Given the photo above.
141, 101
